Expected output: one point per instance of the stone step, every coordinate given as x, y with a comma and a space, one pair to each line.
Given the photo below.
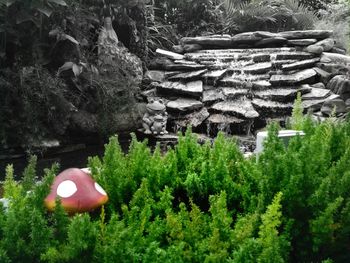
272, 108
281, 94
182, 105
214, 75
261, 85
241, 108
301, 77
277, 64
192, 75
193, 88
300, 64
233, 93
317, 94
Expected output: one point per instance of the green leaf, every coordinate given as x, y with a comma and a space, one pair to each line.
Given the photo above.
58, 2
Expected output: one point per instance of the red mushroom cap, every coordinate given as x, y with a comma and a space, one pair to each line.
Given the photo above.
77, 190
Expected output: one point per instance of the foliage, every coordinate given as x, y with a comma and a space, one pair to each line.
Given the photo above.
270, 15
195, 203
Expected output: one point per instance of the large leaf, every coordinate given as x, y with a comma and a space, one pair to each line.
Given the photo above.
58, 2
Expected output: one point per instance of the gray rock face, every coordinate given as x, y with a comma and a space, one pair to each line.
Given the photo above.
193, 88
336, 106
317, 94
300, 64
305, 76
242, 108
194, 119
302, 42
317, 34
184, 105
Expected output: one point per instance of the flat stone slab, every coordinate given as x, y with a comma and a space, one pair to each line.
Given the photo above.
280, 95
261, 85
155, 75
304, 76
184, 105
189, 75
302, 42
193, 88
169, 54
214, 75
224, 119
259, 68
232, 93
300, 64
317, 104
241, 80
317, 94
245, 38
242, 108
262, 57
302, 34
297, 55
194, 119
272, 108
212, 96
179, 66
277, 64
271, 41
219, 41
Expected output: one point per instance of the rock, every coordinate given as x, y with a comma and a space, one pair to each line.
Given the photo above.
267, 34
238, 80
242, 108
340, 85
232, 93
152, 93
277, 64
324, 75
189, 75
272, 108
338, 50
335, 106
192, 47
184, 105
154, 75
297, 55
327, 44
318, 85
261, 85
316, 105
335, 58
212, 96
223, 119
314, 49
194, 119
301, 77
169, 54
259, 68
280, 95
178, 49
302, 42
159, 63
245, 38
334, 68
317, 34
300, 64
186, 66
213, 76
272, 41
220, 41
316, 94
263, 57
194, 88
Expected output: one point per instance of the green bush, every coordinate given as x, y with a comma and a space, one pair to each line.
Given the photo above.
195, 203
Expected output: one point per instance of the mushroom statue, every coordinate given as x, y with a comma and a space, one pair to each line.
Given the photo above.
77, 191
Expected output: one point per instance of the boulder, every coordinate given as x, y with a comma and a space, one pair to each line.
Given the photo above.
314, 49
340, 85
338, 50
327, 44
335, 106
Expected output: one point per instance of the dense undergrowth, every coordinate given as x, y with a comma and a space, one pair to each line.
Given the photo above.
195, 203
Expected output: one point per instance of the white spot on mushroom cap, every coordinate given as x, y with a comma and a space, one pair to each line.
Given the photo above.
66, 189
100, 189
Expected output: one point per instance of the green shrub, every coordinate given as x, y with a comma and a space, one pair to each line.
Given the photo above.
195, 203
